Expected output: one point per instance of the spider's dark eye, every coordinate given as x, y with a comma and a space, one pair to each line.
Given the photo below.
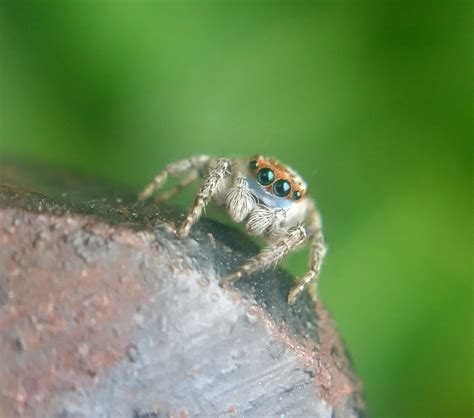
253, 165
281, 188
265, 176
296, 195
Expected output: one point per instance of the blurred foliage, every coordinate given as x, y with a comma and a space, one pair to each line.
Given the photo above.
370, 100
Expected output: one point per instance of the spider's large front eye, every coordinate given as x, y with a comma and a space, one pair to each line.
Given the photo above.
281, 188
265, 176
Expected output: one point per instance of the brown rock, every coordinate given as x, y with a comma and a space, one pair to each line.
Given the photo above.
104, 312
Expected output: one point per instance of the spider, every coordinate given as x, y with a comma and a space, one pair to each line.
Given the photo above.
268, 196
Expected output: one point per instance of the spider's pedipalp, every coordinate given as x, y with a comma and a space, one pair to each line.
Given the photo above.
239, 200
264, 219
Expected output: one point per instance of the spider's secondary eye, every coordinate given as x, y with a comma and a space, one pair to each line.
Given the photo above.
281, 188
265, 176
253, 165
296, 195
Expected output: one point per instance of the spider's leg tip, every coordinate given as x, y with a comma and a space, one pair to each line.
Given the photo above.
230, 278
291, 299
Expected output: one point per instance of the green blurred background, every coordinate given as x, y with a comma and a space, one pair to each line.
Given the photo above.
371, 101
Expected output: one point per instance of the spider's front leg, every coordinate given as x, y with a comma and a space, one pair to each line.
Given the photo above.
317, 252
271, 255
192, 165
212, 184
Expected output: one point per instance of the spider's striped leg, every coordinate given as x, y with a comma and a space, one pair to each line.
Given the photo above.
212, 184
317, 252
269, 256
193, 164
168, 194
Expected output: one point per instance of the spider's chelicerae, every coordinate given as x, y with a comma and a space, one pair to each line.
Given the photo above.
268, 196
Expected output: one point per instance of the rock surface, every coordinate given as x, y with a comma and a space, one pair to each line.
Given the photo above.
104, 312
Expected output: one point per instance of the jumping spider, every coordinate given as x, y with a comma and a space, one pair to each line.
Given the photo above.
270, 197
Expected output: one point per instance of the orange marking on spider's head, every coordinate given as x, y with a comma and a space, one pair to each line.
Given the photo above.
281, 172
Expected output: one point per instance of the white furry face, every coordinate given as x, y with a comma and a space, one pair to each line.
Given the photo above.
278, 180
275, 186
268, 196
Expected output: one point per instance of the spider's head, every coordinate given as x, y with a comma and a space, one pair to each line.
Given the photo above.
277, 179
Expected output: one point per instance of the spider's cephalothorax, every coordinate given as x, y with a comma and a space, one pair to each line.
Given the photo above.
268, 196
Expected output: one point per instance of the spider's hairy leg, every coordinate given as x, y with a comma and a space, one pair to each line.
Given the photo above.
271, 255
212, 184
239, 200
193, 164
317, 252
193, 175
